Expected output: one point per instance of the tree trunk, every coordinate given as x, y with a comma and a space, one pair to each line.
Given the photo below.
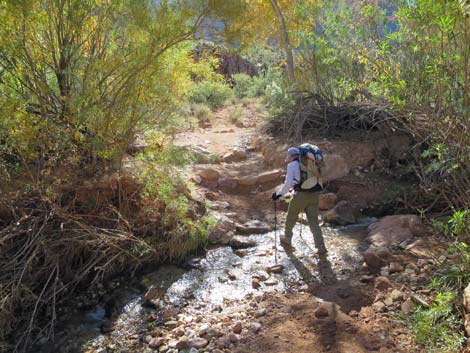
285, 42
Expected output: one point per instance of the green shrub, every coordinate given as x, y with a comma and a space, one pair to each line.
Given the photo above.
214, 94
439, 327
236, 114
243, 85
202, 112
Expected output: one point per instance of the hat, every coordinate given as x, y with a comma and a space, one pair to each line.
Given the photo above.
293, 151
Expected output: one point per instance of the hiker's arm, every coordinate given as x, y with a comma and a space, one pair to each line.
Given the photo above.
290, 178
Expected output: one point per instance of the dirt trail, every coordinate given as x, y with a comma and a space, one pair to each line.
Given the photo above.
325, 315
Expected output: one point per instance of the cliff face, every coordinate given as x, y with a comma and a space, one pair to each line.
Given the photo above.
230, 62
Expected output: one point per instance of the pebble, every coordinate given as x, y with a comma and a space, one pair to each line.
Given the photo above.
396, 295
163, 348
255, 327
378, 307
156, 342
261, 312
395, 267
198, 343
172, 324
233, 338
255, 283
407, 306
237, 328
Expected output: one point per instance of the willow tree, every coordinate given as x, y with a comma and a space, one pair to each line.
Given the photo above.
79, 78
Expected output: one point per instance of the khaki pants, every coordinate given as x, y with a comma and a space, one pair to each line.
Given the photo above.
308, 202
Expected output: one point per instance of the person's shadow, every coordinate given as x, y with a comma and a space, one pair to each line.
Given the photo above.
326, 274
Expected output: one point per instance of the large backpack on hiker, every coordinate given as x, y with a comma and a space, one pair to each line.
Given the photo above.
311, 161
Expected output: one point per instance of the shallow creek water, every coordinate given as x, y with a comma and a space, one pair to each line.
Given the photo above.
215, 279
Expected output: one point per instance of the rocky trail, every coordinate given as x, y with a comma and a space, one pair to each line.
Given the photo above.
237, 297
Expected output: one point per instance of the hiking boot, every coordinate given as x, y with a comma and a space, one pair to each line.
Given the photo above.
286, 243
323, 253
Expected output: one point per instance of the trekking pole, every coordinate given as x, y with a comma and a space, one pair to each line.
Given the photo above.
275, 232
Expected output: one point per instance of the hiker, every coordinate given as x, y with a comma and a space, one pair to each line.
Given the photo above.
303, 200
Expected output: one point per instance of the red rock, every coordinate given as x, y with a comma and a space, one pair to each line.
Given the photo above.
268, 177
327, 201
209, 174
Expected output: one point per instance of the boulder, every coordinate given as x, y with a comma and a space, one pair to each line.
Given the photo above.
235, 156
249, 181
223, 232
269, 177
376, 258
327, 201
343, 213
325, 309
393, 230
209, 175
241, 243
228, 183
253, 227
334, 167
382, 283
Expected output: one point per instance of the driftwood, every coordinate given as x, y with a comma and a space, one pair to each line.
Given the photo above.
312, 115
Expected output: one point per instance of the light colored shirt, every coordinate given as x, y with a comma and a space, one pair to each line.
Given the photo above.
292, 177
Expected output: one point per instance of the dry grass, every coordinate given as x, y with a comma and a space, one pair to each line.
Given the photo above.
48, 251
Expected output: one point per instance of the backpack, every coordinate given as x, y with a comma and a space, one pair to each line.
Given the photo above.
310, 161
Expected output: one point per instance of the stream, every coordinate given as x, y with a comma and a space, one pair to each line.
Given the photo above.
221, 278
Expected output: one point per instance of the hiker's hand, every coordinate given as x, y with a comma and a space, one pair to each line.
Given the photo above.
275, 196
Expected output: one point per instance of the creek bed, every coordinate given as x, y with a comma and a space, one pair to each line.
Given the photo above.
216, 280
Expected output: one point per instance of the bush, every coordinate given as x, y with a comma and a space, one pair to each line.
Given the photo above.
202, 112
243, 85
212, 93
439, 327
236, 114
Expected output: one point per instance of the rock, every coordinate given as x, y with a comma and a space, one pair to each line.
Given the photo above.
325, 309
396, 295
261, 312
275, 269
271, 282
163, 348
235, 156
269, 177
255, 327
343, 213
223, 342
384, 271
407, 306
156, 342
193, 350
253, 227
255, 283
233, 338
376, 258
393, 230
182, 343
378, 307
209, 175
241, 243
382, 283
366, 278
388, 301
394, 267
178, 331
172, 324
232, 276
228, 183
417, 299
223, 232
237, 328
327, 201
334, 167
198, 343
247, 181
241, 252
